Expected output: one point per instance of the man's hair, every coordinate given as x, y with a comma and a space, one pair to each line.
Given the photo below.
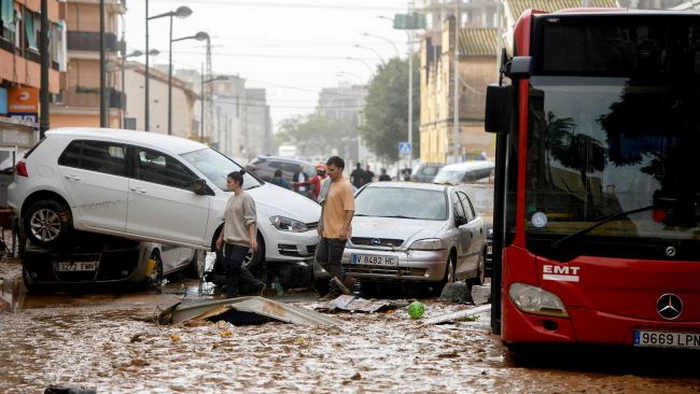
336, 161
278, 172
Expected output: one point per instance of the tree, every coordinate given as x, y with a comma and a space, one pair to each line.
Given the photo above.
315, 134
386, 109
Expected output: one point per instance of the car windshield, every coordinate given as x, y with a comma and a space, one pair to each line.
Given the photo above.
402, 203
216, 168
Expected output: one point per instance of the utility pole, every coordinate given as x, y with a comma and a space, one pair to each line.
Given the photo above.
103, 81
201, 110
455, 106
410, 82
44, 88
147, 124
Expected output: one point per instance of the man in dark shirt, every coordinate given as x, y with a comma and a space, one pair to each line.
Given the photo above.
384, 177
357, 176
369, 175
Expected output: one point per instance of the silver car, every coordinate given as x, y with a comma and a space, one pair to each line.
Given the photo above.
414, 232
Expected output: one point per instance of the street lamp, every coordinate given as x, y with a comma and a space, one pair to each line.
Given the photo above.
180, 12
371, 70
385, 39
341, 73
201, 36
201, 125
373, 50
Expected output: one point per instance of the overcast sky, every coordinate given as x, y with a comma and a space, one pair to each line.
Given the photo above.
292, 48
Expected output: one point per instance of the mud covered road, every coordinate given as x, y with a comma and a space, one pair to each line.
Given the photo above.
108, 341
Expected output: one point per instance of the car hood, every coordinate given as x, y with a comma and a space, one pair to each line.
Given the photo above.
285, 202
408, 230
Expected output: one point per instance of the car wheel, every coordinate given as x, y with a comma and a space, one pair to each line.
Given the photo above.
197, 265
253, 259
47, 223
154, 272
449, 277
480, 274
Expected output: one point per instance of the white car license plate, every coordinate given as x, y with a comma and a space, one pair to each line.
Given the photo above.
76, 266
380, 261
684, 340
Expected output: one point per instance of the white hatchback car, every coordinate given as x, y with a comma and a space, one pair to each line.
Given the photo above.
149, 187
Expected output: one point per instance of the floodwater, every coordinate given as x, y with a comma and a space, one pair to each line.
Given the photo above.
107, 341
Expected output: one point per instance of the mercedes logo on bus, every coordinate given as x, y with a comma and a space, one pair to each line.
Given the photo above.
669, 306
670, 251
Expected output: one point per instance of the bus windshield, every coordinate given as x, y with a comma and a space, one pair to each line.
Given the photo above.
601, 146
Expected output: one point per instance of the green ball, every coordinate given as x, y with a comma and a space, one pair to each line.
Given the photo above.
416, 310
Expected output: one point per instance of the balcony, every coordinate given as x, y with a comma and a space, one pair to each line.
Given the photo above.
90, 98
90, 41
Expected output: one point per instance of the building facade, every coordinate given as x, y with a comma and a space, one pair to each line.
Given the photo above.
184, 123
78, 103
345, 102
258, 123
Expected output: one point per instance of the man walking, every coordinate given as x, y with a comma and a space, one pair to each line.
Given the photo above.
357, 176
335, 226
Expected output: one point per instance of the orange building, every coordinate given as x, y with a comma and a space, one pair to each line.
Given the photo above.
78, 103
20, 68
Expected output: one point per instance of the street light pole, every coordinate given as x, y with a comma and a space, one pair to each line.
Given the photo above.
455, 105
204, 82
373, 50
147, 124
103, 80
199, 37
371, 70
44, 49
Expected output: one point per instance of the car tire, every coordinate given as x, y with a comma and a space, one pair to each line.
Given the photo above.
480, 273
195, 270
154, 279
48, 223
449, 277
253, 260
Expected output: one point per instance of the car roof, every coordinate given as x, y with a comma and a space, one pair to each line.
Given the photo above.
469, 165
174, 144
410, 185
280, 158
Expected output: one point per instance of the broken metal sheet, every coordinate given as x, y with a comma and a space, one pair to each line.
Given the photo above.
458, 315
245, 310
356, 304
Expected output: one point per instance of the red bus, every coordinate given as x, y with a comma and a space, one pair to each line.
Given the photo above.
597, 194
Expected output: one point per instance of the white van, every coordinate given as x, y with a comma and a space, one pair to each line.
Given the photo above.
470, 171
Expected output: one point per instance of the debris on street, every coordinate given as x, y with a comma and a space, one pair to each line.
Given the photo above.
458, 315
481, 295
353, 303
456, 293
240, 311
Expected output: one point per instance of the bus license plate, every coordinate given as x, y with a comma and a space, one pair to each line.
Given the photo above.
76, 266
380, 261
667, 339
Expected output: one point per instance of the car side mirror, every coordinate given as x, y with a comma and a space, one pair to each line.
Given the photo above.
460, 221
199, 187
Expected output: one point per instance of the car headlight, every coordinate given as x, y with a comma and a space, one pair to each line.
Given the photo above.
429, 244
284, 223
532, 299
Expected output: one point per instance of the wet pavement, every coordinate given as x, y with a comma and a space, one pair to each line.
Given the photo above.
108, 341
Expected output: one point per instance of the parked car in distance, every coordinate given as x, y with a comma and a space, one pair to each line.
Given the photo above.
413, 232
469, 171
264, 167
107, 260
425, 172
149, 187
481, 195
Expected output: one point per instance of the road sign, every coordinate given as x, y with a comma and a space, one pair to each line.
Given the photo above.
409, 22
404, 148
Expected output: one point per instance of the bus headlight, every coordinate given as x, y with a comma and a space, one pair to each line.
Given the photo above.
534, 300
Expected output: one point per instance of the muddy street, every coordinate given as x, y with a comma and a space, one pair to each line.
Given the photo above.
108, 341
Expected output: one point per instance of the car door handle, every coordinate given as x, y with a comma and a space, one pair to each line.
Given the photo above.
138, 190
72, 178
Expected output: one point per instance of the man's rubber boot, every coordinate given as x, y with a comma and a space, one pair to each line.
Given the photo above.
341, 286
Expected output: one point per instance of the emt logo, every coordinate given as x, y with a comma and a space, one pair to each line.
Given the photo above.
560, 273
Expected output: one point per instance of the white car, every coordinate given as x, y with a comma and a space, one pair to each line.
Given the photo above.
149, 187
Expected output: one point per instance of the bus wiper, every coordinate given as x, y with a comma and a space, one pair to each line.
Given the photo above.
398, 217
557, 244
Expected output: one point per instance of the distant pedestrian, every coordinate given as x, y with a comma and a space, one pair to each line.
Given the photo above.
277, 180
369, 175
238, 237
384, 177
300, 181
357, 176
317, 181
335, 224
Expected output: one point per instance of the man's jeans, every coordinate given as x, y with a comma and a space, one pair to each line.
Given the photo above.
329, 254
